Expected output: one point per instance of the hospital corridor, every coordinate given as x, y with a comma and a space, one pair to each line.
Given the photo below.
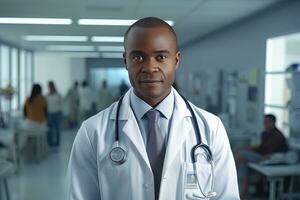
150, 100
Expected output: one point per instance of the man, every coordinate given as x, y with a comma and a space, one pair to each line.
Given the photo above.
156, 132
72, 99
87, 97
123, 88
104, 97
272, 141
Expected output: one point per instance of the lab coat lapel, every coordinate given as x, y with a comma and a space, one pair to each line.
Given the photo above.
132, 130
129, 127
180, 129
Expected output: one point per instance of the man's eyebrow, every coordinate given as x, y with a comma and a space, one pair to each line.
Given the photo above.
136, 52
156, 52
162, 51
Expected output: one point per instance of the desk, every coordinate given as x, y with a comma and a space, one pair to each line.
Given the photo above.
276, 173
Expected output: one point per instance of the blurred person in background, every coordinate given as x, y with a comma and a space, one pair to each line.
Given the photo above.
35, 113
272, 141
35, 109
87, 101
123, 88
72, 100
54, 101
104, 97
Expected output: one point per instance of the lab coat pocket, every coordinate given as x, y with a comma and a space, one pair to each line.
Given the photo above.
197, 185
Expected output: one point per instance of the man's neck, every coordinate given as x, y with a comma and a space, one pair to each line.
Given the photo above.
153, 102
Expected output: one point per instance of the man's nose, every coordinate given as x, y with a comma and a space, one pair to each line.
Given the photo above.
150, 66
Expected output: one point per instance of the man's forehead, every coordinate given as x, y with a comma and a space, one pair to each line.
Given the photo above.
138, 35
161, 30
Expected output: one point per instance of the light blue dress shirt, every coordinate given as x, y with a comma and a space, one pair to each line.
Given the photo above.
140, 108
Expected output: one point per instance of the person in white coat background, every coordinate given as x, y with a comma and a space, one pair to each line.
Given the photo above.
146, 158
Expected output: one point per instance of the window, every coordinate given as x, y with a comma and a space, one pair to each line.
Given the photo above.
277, 92
16, 68
28, 76
15, 78
113, 77
23, 93
5, 74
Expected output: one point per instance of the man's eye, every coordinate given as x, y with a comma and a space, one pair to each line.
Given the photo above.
161, 57
137, 58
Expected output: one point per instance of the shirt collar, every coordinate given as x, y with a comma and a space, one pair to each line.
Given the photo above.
140, 107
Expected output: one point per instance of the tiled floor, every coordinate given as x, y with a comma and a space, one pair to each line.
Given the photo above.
45, 180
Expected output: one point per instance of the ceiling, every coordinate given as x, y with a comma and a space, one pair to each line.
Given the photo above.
193, 18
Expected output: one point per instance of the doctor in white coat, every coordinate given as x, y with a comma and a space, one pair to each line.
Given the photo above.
97, 172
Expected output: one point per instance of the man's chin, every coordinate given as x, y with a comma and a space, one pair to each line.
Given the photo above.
153, 95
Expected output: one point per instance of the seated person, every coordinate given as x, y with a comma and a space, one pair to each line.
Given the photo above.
35, 113
272, 141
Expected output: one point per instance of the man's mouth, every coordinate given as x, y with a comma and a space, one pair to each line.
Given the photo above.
150, 81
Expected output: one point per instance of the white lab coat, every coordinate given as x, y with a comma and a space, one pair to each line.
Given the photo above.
93, 176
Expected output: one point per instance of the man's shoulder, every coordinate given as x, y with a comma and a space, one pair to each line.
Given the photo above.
279, 132
100, 118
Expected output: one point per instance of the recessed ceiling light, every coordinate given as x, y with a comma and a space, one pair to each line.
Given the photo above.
70, 48
48, 21
112, 55
55, 38
106, 22
111, 48
107, 39
112, 22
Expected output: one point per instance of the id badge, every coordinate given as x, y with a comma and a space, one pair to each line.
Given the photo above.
190, 179
191, 189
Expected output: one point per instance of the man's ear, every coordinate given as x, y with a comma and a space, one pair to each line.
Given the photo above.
177, 57
124, 59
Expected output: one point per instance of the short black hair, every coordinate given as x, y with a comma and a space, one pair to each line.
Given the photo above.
150, 22
271, 117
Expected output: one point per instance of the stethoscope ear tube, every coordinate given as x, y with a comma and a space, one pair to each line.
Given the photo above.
198, 135
117, 118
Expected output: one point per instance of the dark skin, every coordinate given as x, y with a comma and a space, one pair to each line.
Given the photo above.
269, 124
151, 58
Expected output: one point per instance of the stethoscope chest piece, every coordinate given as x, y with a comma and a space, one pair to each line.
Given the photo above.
117, 155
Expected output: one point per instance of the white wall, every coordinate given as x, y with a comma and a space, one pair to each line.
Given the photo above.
61, 69
241, 46
79, 70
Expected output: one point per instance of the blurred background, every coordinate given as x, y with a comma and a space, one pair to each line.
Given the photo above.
240, 61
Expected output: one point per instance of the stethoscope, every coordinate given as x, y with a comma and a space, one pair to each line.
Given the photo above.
118, 154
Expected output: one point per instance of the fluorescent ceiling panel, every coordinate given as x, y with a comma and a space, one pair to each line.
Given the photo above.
107, 39
55, 38
111, 22
111, 48
46, 21
70, 48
